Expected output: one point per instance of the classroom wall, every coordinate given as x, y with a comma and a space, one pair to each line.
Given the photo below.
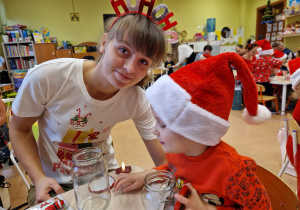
188, 13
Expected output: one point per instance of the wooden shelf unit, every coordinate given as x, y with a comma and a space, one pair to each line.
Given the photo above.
287, 35
293, 15
19, 55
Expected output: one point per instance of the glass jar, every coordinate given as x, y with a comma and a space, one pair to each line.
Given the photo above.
159, 189
90, 179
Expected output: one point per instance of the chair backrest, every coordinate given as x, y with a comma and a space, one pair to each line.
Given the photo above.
260, 88
293, 125
282, 197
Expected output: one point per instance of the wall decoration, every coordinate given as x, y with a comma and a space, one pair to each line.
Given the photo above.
280, 26
73, 15
269, 28
273, 37
279, 38
274, 26
268, 36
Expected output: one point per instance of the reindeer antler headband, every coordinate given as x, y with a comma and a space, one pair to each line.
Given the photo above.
151, 14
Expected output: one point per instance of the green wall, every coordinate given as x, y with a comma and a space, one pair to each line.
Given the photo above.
55, 15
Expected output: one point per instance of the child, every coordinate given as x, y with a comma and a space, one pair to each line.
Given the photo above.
78, 102
294, 68
264, 66
280, 56
191, 117
169, 63
205, 54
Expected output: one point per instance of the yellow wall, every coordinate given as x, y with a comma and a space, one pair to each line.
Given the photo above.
189, 14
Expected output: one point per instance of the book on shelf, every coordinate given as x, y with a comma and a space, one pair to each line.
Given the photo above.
15, 63
38, 37
26, 50
12, 50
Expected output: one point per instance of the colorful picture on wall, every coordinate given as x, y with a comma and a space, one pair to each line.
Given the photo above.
269, 28
273, 37
280, 26
268, 36
294, 6
274, 26
278, 38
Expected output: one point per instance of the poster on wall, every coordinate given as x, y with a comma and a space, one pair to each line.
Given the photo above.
280, 26
269, 28
278, 38
274, 26
268, 36
273, 37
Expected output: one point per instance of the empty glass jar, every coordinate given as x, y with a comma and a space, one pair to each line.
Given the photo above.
90, 179
159, 189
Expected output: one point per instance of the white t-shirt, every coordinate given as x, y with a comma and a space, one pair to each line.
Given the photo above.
71, 119
184, 51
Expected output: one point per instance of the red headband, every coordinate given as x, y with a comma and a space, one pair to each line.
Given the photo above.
138, 9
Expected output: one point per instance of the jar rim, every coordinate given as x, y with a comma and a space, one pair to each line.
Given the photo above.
95, 151
158, 174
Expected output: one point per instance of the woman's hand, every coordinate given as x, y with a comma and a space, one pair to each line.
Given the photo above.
194, 202
131, 181
43, 186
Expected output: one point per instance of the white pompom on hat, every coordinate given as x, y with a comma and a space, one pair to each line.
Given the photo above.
196, 100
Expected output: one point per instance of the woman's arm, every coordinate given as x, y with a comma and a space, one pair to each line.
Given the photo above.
2, 112
26, 150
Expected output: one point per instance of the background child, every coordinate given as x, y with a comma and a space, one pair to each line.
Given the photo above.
169, 63
264, 66
191, 117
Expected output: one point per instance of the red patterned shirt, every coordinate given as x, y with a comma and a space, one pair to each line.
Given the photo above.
262, 68
221, 177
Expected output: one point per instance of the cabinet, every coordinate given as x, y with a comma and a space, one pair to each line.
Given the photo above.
45, 51
197, 46
81, 55
64, 53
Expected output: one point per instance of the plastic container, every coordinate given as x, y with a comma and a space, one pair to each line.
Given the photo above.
211, 36
237, 99
211, 25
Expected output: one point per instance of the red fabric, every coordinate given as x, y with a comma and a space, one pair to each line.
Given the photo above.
278, 54
212, 80
262, 68
264, 44
224, 174
295, 161
294, 65
296, 112
207, 55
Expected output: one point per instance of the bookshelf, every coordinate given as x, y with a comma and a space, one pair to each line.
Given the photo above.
19, 55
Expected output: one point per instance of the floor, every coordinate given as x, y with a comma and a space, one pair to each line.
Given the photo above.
258, 142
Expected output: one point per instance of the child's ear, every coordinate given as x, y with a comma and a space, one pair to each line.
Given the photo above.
102, 43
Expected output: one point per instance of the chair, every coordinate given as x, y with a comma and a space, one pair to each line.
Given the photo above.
263, 98
290, 127
154, 73
281, 195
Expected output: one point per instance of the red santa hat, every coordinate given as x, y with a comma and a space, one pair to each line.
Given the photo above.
196, 100
278, 55
294, 68
265, 47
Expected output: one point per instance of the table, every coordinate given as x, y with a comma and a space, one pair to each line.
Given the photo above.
281, 81
119, 200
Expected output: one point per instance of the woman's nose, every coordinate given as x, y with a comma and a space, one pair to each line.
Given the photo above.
130, 65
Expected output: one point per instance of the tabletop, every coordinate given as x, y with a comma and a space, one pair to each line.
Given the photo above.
279, 80
119, 200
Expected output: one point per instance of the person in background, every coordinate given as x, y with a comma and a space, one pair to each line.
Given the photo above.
263, 67
206, 52
89, 57
280, 56
239, 49
169, 63
80, 107
185, 53
294, 67
216, 175
251, 50
278, 45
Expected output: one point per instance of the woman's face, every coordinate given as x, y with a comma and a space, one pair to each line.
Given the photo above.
240, 51
253, 51
121, 65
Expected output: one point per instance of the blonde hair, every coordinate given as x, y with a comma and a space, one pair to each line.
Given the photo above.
142, 34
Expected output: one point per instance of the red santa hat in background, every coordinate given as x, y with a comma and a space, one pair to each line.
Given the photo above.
294, 68
265, 47
200, 95
278, 55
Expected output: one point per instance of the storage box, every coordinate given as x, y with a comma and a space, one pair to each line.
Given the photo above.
79, 49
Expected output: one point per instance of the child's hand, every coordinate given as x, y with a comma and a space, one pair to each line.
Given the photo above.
132, 181
194, 202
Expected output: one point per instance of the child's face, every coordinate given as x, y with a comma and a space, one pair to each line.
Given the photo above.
169, 59
121, 65
253, 51
173, 142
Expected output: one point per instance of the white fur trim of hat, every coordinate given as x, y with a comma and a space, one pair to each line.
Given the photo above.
295, 78
263, 114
